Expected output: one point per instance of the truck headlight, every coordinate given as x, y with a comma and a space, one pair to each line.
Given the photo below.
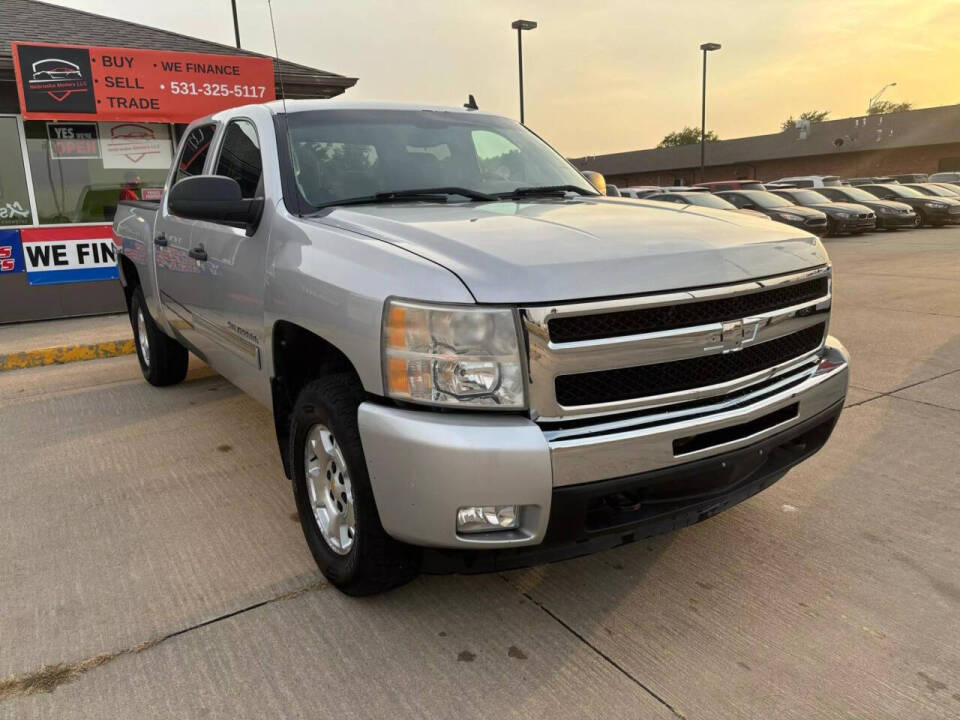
452, 355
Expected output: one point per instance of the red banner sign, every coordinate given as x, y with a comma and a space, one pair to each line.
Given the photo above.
70, 82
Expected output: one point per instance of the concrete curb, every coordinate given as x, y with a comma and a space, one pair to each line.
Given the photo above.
66, 354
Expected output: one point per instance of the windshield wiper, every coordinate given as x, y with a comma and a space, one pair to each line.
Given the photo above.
433, 194
545, 190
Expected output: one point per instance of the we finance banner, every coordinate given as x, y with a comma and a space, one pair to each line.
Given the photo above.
69, 254
73, 82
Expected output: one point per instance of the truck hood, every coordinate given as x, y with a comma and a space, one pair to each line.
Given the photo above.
555, 250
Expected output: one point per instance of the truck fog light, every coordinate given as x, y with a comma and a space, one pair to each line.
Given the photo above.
487, 518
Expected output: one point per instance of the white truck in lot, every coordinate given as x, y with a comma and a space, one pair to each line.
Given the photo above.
473, 359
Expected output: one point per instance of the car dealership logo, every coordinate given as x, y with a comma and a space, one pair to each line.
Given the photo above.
55, 79
133, 140
59, 78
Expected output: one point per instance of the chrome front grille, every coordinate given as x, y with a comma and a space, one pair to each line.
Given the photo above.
574, 328
598, 358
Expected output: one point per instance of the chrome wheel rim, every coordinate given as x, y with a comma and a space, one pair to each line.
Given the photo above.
329, 488
142, 338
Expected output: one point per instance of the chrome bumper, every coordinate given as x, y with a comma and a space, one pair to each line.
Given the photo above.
425, 465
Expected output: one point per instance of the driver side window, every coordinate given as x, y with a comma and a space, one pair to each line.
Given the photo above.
240, 157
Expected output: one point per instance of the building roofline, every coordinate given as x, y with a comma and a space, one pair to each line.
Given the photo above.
923, 126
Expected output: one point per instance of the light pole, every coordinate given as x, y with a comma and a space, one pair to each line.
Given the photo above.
877, 96
520, 26
706, 47
236, 23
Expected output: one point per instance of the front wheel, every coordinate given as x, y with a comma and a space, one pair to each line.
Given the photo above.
163, 361
334, 497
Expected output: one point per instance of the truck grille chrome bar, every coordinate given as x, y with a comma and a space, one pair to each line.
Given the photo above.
597, 358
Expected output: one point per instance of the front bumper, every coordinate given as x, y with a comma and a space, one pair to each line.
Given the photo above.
425, 465
854, 225
897, 221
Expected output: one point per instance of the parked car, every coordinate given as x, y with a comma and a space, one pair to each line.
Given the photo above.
703, 199
868, 180
811, 181
456, 384
944, 177
613, 191
910, 177
779, 209
935, 211
890, 215
639, 191
842, 217
720, 185
950, 186
934, 190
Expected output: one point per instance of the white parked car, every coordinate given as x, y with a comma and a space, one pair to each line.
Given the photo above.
810, 181
948, 177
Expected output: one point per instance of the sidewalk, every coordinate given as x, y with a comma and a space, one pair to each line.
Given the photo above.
53, 342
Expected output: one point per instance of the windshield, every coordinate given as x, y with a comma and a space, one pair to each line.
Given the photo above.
344, 154
935, 190
904, 191
767, 200
809, 197
708, 200
831, 181
855, 194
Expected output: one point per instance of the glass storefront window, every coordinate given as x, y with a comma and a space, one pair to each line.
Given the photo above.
14, 201
81, 170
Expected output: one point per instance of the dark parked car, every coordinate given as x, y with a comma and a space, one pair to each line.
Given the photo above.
842, 217
702, 199
721, 185
936, 211
890, 215
935, 190
779, 209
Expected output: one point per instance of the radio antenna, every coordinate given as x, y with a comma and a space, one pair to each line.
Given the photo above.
276, 53
286, 117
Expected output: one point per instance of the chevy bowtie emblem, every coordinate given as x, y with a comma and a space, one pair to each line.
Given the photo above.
737, 333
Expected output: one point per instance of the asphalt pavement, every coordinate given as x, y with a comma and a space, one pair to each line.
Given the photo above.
152, 566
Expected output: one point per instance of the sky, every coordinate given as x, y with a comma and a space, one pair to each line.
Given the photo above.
608, 75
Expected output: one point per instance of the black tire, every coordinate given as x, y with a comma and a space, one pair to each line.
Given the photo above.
375, 562
163, 361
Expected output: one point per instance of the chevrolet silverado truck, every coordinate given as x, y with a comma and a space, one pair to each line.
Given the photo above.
473, 360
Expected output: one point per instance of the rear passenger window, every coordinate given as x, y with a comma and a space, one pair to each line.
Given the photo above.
240, 157
194, 153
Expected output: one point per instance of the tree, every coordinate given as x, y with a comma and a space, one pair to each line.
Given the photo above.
811, 115
687, 136
882, 107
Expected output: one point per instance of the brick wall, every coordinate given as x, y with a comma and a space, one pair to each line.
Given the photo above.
927, 158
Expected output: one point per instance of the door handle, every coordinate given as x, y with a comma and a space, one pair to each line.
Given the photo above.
160, 240
198, 253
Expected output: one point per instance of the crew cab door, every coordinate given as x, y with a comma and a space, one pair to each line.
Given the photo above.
226, 306
180, 276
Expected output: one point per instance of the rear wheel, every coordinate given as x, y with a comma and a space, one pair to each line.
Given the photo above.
334, 497
163, 361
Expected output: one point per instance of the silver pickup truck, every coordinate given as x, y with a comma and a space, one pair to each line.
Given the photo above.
475, 361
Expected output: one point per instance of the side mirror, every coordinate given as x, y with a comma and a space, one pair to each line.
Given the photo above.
214, 198
597, 180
